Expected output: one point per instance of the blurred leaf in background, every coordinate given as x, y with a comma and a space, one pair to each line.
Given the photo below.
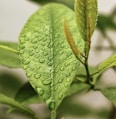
9, 84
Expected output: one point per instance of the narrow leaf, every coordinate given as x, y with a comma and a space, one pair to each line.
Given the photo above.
86, 15
8, 55
70, 39
45, 54
110, 93
9, 101
109, 62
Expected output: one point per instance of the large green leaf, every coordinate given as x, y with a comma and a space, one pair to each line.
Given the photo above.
86, 16
110, 93
45, 54
8, 56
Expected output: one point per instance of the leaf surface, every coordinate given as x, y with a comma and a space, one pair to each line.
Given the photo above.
110, 93
86, 16
109, 62
45, 54
9, 101
7, 57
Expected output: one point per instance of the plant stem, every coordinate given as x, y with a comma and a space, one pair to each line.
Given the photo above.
53, 114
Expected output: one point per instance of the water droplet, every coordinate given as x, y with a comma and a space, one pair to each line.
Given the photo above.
73, 68
60, 96
62, 52
31, 53
41, 60
62, 45
67, 64
26, 67
34, 40
67, 75
38, 67
68, 79
66, 84
37, 76
45, 53
29, 74
62, 68
50, 45
60, 80
22, 46
50, 58
37, 51
51, 104
50, 63
47, 81
37, 56
40, 91
55, 88
26, 62
68, 54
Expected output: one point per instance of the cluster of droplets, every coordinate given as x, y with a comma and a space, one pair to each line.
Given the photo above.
47, 59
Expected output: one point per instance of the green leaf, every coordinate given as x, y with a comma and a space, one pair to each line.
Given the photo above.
105, 22
77, 87
109, 62
8, 55
110, 93
45, 54
9, 83
27, 95
86, 16
9, 101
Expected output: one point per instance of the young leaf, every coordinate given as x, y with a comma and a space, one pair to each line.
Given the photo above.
8, 55
86, 15
109, 62
9, 101
45, 54
110, 93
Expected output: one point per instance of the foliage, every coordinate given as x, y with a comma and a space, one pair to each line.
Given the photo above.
51, 47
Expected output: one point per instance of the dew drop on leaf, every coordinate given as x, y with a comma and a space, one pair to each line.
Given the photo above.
41, 60
37, 76
60, 96
62, 68
40, 91
29, 74
60, 80
47, 81
45, 53
51, 104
